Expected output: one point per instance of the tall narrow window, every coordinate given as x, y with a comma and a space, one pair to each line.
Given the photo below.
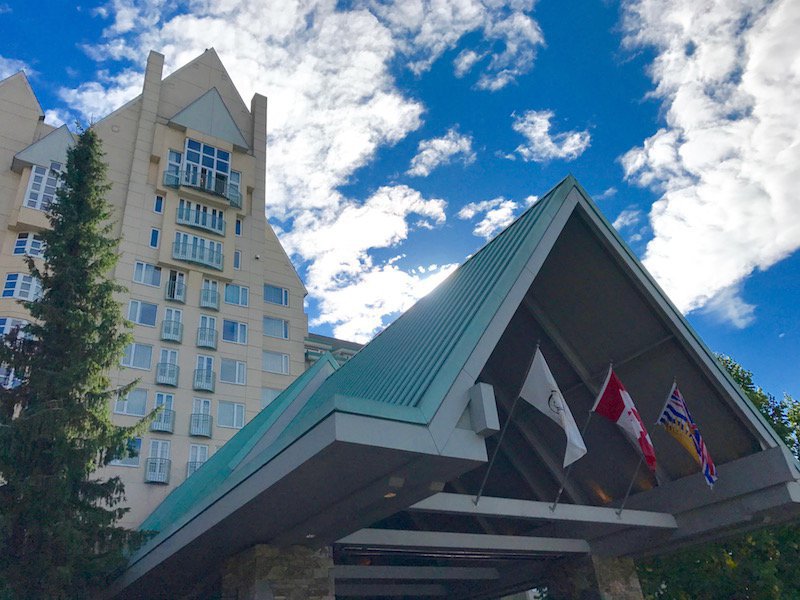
237, 259
158, 204
154, 237
238, 227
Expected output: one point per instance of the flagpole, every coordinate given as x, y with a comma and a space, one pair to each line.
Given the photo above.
630, 485
669, 395
583, 432
505, 426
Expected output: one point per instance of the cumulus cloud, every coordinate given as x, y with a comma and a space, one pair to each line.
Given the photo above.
334, 101
497, 213
541, 145
9, 66
441, 151
727, 160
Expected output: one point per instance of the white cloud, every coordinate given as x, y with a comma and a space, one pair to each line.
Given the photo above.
627, 218
441, 151
333, 103
464, 62
727, 159
498, 213
727, 306
607, 193
9, 66
541, 146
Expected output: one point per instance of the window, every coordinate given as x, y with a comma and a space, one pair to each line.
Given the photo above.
168, 356
42, 186
24, 287
154, 237
132, 460
276, 295
158, 204
7, 325
176, 286
275, 362
233, 371
237, 294
198, 454
237, 259
277, 328
268, 395
238, 227
230, 414
165, 400
209, 167
147, 274
142, 313
201, 406
137, 356
29, 243
135, 403
8, 378
234, 331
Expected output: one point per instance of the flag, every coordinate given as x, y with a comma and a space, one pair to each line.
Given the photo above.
678, 422
615, 404
541, 391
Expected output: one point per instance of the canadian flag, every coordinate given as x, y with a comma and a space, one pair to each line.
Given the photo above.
615, 404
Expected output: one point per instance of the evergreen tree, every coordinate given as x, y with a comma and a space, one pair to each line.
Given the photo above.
59, 536
761, 565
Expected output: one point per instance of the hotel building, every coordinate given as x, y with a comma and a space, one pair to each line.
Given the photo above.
215, 305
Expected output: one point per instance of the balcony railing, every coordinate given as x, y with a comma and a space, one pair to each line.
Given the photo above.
204, 379
164, 421
201, 180
201, 255
209, 221
200, 424
209, 299
167, 374
207, 338
176, 291
193, 465
156, 470
172, 331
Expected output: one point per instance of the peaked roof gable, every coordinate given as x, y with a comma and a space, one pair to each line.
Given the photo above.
52, 147
20, 80
208, 114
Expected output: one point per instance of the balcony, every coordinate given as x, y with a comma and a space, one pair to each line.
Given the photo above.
156, 470
207, 338
204, 380
193, 465
172, 331
164, 421
201, 255
208, 221
209, 299
200, 425
195, 179
167, 374
176, 291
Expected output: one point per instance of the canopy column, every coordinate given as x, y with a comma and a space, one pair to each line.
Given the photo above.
270, 573
594, 578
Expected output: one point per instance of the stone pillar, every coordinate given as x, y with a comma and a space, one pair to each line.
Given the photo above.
268, 573
594, 578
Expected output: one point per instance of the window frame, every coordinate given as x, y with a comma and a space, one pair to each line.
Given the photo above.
134, 346
285, 323
158, 204
16, 283
27, 247
283, 291
240, 327
120, 462
240, 369
153, 269
138, 315
239, 295
122, 403
238, 411
285, 362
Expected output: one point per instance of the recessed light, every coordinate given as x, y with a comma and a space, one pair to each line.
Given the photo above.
388, 495
311, 536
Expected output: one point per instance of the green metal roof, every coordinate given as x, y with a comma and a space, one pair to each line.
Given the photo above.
209, 477
403, 374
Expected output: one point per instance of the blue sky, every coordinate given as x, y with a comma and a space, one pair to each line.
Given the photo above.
404, 135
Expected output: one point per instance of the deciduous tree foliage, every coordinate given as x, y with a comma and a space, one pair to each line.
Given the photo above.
59, 536
762, 565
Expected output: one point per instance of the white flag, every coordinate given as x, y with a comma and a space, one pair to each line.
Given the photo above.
541, 391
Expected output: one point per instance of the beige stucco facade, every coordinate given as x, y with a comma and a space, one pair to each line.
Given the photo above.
191, 243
